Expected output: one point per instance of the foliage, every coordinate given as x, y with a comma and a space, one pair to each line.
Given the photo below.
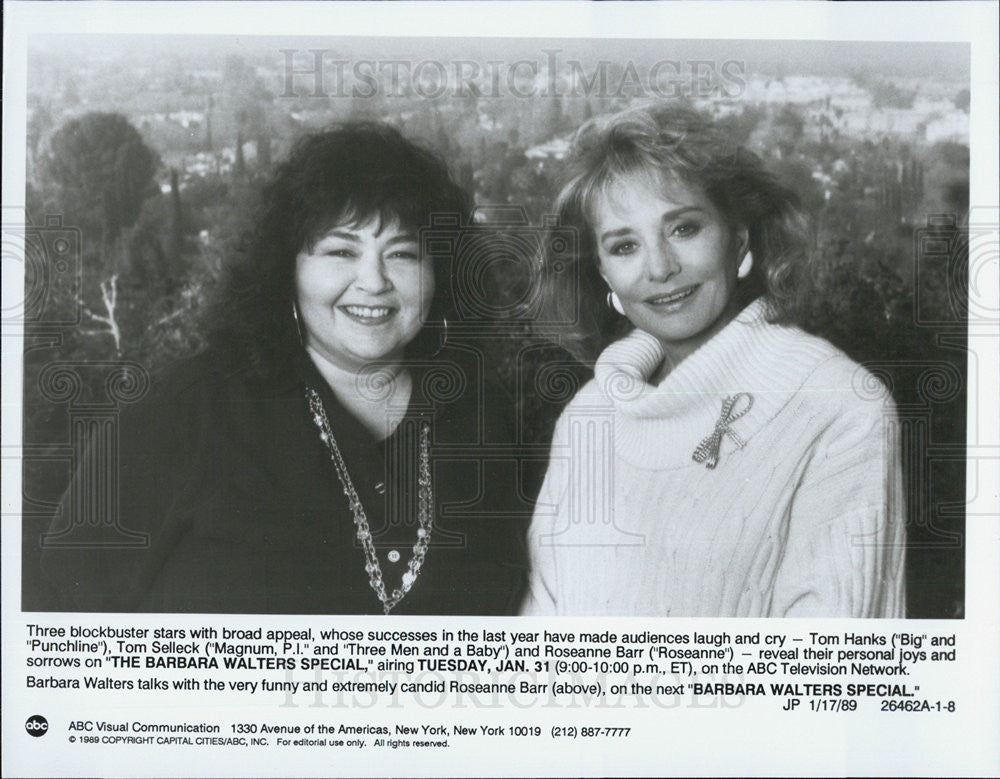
741, 126
962, 100
159, 251
886, 94
101, 172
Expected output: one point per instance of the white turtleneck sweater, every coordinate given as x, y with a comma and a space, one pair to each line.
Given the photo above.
806, 519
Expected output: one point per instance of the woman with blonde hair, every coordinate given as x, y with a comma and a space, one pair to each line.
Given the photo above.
722, 462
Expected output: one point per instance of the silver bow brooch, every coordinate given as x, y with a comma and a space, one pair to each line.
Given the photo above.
708, 450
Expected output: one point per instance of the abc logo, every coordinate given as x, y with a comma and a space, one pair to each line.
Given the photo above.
37, 725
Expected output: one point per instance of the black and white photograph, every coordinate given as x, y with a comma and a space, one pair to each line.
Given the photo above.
500, 388
322, 314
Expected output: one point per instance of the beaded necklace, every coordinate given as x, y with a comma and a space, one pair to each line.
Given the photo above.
363, 531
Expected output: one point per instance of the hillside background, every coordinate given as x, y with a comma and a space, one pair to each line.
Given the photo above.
143, 154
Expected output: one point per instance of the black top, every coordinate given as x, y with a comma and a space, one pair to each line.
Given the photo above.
244, 513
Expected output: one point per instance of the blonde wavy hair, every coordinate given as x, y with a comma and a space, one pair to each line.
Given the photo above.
671, 144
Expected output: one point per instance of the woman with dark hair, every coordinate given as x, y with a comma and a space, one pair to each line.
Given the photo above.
320, 455
722, 462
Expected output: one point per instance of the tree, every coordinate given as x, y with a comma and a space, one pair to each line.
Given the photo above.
249, 103
739, 127
885, 94
102, 172
789, 126
98, 172
962, 100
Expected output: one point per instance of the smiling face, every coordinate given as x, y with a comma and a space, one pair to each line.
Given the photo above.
363, 293
671, 258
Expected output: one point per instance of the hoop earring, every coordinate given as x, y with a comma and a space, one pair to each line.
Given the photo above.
444, 337
298, 325
615, 303
746, 265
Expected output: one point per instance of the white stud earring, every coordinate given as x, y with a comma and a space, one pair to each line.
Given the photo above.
745, 266
615, 303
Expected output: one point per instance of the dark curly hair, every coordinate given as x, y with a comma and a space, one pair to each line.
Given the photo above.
347, 174
670, 143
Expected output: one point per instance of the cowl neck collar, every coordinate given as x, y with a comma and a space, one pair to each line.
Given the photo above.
660, 425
